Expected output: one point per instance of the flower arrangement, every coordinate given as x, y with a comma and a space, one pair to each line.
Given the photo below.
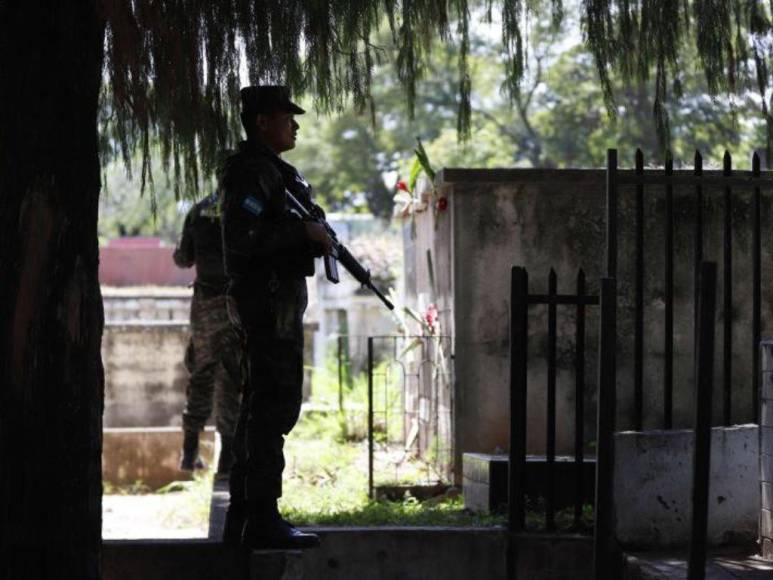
407, 203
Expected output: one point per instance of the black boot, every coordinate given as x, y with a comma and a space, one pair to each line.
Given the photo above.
234, 524
264, 529
226, 459
190, 459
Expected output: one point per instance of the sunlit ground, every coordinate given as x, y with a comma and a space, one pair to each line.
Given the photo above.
325, 481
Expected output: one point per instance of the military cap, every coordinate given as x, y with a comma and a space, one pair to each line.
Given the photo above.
265, 99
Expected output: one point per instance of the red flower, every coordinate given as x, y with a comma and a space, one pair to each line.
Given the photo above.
431, 317
402, 186
442, 204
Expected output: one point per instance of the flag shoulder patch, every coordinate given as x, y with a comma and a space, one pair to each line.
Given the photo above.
253, 205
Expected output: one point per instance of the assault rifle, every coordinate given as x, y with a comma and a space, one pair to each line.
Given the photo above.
339, 252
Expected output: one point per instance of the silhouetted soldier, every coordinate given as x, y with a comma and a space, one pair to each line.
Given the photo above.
269, 251
215, 350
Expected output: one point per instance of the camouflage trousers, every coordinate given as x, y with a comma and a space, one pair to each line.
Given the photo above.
272, 400
214, 360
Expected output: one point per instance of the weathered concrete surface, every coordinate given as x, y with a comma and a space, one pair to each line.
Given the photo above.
723, 565
365, 553
170, 304
653, 486
145, 378
150, 455
553, 557
134, 261
145, 374
555, 218
766, 450
195, 560
485, 480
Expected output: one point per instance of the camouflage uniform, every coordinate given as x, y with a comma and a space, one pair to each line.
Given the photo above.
267, 256
214, 363
214, 354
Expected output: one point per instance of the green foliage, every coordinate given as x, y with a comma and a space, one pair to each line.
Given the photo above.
409, 512
124, 211
172, 68
539, 105
728, 39
326, 478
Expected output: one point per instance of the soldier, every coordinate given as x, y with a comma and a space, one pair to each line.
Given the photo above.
215, 350
268, 252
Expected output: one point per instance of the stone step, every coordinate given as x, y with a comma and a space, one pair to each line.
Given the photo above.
485, 480
195, 560
426, 553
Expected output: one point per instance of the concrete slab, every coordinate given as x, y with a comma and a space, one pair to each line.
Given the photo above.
485, 483
149, 455
725, 565
653, 483
195, 560
361, 553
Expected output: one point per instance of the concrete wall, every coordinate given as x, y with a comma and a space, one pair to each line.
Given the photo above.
766, 451
555, 218
145, 378
150, 455
384, 553
141, 261
653, 486
143, 348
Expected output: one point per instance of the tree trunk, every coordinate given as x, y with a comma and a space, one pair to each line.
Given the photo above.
51, 379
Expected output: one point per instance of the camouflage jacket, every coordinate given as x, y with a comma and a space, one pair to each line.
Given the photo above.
201, 245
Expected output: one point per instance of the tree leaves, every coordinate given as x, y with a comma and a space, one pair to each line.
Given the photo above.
172, 67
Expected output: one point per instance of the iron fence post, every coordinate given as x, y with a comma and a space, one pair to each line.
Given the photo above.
702, 450
611, 213
519, 292
340, 375
727, 297
757, 292
370, 417
603, 540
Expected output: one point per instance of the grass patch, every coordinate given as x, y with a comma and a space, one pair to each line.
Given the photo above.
326, 476
409, 512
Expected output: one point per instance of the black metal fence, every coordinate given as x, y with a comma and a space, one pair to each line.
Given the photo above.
520, 301
410, 401
704, 371
404, 408
702, 184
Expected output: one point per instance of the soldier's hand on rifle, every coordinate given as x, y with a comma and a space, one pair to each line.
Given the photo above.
318, 235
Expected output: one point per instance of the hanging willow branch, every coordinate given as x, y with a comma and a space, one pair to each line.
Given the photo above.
172, 67
639, 38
